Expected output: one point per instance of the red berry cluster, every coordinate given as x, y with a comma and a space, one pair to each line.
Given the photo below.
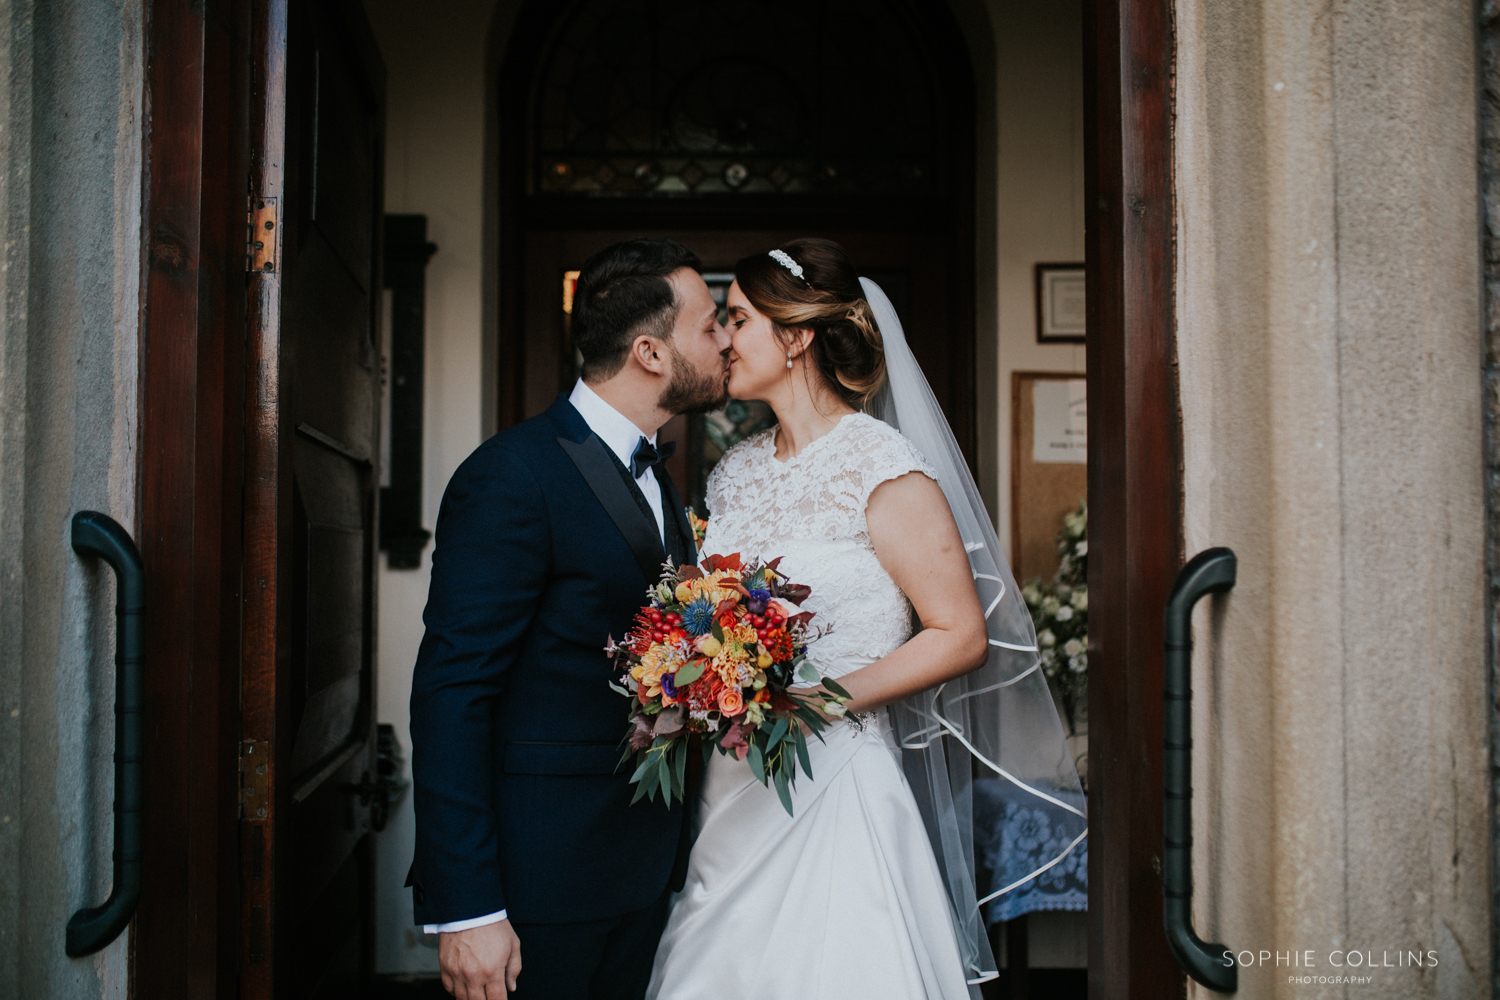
654, 625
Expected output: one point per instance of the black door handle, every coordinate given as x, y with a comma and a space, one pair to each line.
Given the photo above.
1211, 571
94, 927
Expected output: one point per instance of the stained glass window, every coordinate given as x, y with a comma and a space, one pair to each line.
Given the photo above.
652, 98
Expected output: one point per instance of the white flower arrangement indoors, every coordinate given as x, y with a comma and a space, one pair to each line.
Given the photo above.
1060, 610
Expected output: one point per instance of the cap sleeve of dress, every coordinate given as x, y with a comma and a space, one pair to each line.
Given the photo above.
884, 455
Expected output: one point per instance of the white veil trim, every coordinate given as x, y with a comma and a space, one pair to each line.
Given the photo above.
1000, 715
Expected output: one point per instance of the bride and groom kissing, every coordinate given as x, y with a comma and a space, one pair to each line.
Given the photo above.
540, 877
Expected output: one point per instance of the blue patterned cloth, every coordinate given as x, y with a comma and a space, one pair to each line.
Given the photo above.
1015, 833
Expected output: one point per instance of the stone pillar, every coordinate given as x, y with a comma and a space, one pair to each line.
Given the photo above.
70, 184
1329, 344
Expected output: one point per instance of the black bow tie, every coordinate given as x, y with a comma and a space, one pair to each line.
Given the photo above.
648, 456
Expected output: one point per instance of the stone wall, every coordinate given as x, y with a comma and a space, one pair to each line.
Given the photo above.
1328, 283
70, 183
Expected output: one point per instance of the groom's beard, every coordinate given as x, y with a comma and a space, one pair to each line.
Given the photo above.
693, 391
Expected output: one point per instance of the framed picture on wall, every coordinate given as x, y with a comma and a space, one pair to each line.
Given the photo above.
1060, 301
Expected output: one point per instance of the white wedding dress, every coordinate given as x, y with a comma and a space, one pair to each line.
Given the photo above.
844, 899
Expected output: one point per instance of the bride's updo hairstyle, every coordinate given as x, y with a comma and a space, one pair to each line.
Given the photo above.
826, 298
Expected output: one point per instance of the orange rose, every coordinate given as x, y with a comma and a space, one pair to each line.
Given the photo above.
731, 702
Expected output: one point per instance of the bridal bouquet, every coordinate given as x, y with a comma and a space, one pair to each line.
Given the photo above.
714, 654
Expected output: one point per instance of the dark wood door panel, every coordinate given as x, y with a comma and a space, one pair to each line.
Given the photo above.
330, 322
345, 130
309, 687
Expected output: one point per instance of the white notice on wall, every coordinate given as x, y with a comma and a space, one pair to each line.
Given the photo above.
1060, 421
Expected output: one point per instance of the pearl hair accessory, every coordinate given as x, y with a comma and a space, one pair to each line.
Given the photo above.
786, 261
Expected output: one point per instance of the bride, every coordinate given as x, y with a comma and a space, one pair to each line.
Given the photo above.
867, 890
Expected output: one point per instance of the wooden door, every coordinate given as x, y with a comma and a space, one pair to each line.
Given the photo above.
308, 687
1135, 484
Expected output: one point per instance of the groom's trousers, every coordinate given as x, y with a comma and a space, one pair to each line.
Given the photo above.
591, 960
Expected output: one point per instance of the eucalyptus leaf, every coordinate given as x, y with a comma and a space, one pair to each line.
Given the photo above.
809, 673
689, 672
666, 778
803, 756
783, 792
779, 730
681, 754
718, 631
757, 762
833, 686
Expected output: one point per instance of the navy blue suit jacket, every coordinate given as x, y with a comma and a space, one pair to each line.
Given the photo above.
542, 553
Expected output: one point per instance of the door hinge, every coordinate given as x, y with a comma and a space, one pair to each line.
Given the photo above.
260, 244
255, 779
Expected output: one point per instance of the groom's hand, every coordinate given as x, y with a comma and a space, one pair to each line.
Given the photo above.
481, 963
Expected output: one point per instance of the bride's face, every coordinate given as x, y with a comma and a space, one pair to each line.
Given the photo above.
757, 361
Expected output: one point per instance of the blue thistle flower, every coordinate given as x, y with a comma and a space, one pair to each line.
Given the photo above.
698, 617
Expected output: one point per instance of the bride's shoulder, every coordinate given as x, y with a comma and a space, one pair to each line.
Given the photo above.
879, 451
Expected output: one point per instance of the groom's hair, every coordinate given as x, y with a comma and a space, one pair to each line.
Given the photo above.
622, 293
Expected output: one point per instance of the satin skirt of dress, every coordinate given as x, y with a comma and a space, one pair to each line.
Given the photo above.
843, 899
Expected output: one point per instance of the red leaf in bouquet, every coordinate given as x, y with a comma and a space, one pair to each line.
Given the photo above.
641, 736
690, 573
796, 592
781, 703
730, 562
774, 563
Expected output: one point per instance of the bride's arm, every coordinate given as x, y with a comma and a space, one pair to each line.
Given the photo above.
912, 530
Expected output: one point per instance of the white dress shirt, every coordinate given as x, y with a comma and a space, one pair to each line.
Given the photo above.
620, 434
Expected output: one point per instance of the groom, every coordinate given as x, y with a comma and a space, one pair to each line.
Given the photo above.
528, 850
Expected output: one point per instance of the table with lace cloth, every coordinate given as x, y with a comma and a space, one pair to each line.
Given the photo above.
1012, 838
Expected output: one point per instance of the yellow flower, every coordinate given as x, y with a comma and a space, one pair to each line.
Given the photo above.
684, 593
707, 586
764, 660
711, 647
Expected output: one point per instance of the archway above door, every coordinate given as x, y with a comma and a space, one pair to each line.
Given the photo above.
734, 128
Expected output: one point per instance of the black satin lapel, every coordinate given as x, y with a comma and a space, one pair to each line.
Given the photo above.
678, 510
599, 472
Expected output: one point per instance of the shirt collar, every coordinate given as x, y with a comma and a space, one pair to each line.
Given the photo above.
615, 429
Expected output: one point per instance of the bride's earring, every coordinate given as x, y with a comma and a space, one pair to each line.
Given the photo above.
789, 359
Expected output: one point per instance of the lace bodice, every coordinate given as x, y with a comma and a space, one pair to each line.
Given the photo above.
810, 510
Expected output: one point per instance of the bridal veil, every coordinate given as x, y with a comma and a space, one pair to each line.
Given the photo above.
999, 720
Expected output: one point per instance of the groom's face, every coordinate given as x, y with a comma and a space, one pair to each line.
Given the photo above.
698, 351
